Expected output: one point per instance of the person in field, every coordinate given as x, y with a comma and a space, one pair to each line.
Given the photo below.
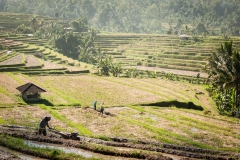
101, 108
95, 105
42, 126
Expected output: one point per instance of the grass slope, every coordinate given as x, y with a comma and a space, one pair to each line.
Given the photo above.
152, 109
167, 124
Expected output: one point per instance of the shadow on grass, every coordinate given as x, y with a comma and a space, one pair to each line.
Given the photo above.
186, 105
41, 101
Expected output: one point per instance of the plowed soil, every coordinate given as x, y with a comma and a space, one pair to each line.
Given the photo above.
7, 156
85, 143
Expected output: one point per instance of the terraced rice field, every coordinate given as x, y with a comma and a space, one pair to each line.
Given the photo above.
143, 109
48, 63
140, 109
134, 103
32, 61
13, 20
19, 59
106, 89
150, 52
161, 53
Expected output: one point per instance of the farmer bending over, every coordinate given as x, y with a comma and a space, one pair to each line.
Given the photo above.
42, 126
101, 108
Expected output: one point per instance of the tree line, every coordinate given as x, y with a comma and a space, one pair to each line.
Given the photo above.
139, 16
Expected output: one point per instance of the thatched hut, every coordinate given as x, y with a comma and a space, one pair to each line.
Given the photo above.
30, 92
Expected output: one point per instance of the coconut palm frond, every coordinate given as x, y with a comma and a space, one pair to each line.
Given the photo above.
224, 70
228, 85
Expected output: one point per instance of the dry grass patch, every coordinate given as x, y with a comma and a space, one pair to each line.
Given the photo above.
207, 130
106, 125
86, 89
32, 61
158, 125
4, 99
22, 79
168, 89
13, 60
53, 95
51, 65
28, 116
53, 98
174, 71
8, 83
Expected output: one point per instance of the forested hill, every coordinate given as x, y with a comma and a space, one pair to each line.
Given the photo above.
140, 16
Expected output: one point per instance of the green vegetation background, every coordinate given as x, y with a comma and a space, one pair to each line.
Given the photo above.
140, 16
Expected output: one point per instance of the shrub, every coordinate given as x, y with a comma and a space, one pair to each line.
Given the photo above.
206, 112
150, 57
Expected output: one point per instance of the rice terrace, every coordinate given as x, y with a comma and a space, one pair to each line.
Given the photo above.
114, 82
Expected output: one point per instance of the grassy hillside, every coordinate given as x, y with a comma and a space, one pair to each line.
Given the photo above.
84, 89
142, 108
154, 52
33, 56
136, 103
162, 52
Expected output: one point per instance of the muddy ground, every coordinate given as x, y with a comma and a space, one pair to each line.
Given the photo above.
85, 143
7, 156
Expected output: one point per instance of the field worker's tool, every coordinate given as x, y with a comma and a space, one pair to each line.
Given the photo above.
42, 126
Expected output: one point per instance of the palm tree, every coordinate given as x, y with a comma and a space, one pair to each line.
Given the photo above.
99, 54
86, 51
105, 65
224, 70
93, 35
116, 69
235, 81
34, 23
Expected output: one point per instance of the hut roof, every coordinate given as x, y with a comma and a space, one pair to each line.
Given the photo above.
184, 36
30, 88
69, 28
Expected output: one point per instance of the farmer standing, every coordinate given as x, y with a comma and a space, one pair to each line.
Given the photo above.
95, 105
101, 108
42, 126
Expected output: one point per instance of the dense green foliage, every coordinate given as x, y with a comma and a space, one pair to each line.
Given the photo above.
224, 74
77, 46
151, 16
